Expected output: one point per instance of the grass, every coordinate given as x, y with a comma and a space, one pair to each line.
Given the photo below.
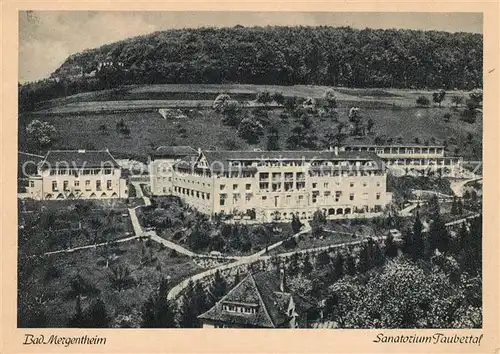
90, 265
205, 130
393, 112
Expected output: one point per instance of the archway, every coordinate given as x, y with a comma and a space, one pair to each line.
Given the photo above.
340, 211
331, 211
60, 196
103, 195
93, 195
348, 210
114, 195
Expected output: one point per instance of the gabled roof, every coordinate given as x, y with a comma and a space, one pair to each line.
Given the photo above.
79, 159
174, 151
261, 290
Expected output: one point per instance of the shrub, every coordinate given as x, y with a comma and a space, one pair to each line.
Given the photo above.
423, 101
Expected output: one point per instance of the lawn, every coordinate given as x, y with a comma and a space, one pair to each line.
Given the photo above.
50, 280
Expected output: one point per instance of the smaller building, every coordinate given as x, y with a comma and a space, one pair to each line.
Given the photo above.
161, 162
77, 174
260, 300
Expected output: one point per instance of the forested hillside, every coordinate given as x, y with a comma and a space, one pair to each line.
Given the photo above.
272, 55
296, 55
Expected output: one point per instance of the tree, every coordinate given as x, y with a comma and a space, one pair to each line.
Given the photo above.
231, 113
273, 139
221, 102
350, 265
422, 101
438, 97
447, 117
219, 286
188, 312
369, 125
157, 311
296, 224
40, 135
338, 266
418, 247
290, 103
318, 223
263, 97
307, 267
457, 100
77, 320
402, 294
103, 129
279, 98
97, 316
250, 130
391, 250
476, 96
322, 259
120, 277
438, 236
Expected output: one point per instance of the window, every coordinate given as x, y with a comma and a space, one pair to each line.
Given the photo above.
351, 184
351, 196
65, 185
325, 185
222, 187
264, 197
248, 186
378, 184
208, 195
77, 183
235, 187
98, 185
248, 197
365, 184
87, 185
108, 184
197, 194
54, 185
338, 194
365, 196
378, 196
314, 185
107, 171
32, 183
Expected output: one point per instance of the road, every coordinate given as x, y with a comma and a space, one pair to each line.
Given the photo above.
458, 186
69, 250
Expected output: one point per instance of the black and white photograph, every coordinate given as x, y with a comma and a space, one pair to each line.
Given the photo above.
318, 170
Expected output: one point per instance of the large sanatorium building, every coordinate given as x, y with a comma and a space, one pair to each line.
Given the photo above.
76, 174
273, 185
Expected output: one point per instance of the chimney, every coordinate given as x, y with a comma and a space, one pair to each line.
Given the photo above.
199, 151
336, 150
282, 279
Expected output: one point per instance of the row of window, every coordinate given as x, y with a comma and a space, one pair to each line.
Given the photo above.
189, 181
192, 193
248, 187
240, 309
76, 185
326, 185
73, 172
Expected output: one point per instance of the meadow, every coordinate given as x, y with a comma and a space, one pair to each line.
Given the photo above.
393, 111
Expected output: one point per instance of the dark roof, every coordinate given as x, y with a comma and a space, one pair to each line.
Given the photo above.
80, 158
27, 164
173, 151
261, 289
222, 156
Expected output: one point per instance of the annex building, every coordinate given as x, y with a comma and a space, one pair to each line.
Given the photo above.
413, 158
273, 185
76, 174
260, 300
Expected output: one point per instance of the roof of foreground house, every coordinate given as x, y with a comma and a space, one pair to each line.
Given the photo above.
260, 290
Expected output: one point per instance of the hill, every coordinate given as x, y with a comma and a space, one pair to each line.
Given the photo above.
273, 56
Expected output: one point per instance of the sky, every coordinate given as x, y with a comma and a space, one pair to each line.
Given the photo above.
47, 38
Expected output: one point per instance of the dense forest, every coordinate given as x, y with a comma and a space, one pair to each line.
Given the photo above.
277, 55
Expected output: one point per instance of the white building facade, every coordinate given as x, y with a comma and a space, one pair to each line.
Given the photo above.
274, 185
77, 174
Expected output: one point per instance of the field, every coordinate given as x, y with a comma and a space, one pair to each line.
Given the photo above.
393, 112
50, 281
